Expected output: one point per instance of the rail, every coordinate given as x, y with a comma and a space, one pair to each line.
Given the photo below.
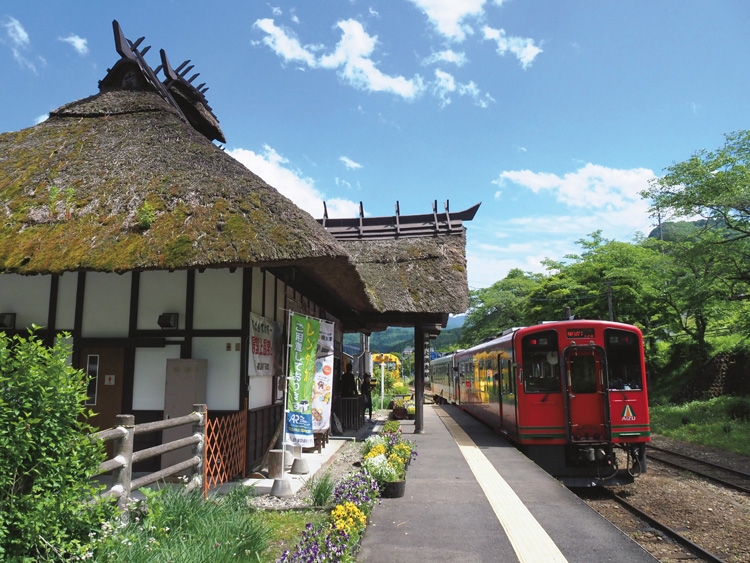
121, 464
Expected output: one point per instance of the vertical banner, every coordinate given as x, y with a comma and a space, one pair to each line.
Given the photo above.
323, 383
266, 344
304, 334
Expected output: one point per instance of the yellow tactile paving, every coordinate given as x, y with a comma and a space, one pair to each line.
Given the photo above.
530, 541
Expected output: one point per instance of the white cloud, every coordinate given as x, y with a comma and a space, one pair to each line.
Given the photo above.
41, 119
275, 170
523, 48
78, 43
449, 16
284, 44
349, 163
447, 56
19, 41
351, 58
592, 186
577, 204
445, 85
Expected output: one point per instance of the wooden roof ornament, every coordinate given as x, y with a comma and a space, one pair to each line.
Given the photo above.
133, 72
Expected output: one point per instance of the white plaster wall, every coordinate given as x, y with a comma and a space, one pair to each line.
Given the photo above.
150, 376
161, 292
27, 297
223, 392
260, 392
218, 299
66, 301
106, 307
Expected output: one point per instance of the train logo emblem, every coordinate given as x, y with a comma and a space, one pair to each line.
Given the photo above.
628, 413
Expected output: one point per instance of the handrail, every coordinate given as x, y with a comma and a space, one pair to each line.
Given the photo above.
122, 463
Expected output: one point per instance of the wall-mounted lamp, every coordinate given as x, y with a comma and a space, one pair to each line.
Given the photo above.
168, 320
7, 321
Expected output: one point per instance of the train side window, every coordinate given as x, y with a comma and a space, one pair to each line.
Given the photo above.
541, 370
623, 360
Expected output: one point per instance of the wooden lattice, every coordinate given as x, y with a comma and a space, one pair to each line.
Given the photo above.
226, 446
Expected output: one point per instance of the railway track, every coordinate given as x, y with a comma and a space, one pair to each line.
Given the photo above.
725, 476
691, 547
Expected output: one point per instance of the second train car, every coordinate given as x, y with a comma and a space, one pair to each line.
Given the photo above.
572, 395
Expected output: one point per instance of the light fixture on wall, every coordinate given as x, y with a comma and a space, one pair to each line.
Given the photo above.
168, 320
7, 321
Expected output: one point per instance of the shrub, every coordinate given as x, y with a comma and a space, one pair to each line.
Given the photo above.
47, 459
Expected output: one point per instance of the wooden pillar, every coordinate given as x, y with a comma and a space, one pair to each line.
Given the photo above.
419, 371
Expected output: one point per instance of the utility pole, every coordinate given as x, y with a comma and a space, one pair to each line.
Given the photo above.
609, 300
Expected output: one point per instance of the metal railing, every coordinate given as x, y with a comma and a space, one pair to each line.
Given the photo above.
124, 458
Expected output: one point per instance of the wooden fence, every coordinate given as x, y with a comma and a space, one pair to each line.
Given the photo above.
226, 447
121, 464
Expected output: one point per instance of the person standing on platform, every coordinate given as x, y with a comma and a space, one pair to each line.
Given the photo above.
367, 393
348, 383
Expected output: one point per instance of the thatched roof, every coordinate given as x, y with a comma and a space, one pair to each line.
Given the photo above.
413, 275
119, 181
414, 266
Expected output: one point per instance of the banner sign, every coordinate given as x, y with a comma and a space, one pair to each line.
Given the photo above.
265, 347
304, 333
323, 382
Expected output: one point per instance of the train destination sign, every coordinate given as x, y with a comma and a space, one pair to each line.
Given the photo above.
580, 333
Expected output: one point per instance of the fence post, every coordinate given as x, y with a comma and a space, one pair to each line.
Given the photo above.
199, 471
122, 476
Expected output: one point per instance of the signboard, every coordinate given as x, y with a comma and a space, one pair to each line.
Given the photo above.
265, 347
323, 382
304, 334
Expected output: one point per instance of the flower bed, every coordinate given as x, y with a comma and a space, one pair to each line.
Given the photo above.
384, 460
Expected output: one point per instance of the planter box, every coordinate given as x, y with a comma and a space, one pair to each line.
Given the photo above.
394, 489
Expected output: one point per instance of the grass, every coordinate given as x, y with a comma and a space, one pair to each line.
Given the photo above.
285, 528
172, 526
721, 422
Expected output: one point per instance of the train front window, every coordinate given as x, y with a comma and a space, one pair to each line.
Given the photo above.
623, 360
541, 370
582, 373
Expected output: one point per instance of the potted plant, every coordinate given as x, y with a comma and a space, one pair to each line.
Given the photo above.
388, 472
399, 410
411, 408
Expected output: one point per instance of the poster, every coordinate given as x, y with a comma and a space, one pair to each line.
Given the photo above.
323, 382
265, 347
304, 333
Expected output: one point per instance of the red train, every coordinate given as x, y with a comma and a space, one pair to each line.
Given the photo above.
571, 395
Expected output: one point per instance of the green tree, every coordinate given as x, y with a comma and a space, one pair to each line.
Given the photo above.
609, 279
498, 307
48, 457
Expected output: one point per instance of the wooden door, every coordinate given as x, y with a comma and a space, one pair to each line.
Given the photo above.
105, 366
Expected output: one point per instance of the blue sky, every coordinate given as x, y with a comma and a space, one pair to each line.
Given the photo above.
552, 113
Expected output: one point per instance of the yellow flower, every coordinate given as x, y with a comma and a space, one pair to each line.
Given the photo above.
376, 451
349, 518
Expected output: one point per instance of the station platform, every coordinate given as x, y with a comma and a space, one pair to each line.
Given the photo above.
472, 497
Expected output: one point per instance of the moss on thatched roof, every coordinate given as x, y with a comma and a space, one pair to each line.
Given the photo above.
414, 275
119, 181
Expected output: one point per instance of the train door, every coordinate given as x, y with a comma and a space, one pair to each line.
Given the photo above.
586, 391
